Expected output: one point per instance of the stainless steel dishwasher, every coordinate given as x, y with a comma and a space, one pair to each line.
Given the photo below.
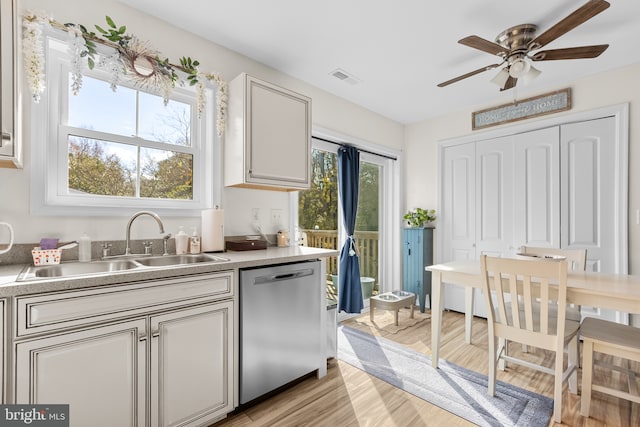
280, 322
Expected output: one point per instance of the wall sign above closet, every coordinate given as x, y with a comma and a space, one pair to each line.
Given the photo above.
549, 103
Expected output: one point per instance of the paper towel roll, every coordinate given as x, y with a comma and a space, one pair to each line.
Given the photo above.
212, 230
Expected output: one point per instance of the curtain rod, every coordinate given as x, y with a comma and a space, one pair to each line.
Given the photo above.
386, 156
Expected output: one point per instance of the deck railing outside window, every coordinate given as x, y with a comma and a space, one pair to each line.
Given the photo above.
366, 242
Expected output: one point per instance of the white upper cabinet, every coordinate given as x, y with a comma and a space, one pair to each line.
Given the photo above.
268, 138
10, 153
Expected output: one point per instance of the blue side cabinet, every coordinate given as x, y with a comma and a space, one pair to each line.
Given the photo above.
418, 253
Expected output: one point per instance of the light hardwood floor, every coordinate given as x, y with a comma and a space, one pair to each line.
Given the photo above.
348, 396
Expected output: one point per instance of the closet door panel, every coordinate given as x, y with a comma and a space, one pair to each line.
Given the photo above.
494, 177
459, 201
588, 182
458, 224
536, 196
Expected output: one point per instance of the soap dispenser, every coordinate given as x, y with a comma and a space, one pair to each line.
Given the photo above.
194, 242
182, 242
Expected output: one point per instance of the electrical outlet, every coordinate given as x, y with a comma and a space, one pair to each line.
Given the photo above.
276, 216
255, 214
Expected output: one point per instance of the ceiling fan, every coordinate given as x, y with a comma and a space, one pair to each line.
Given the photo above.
515, 46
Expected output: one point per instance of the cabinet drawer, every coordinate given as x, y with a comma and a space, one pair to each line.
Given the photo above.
46, 312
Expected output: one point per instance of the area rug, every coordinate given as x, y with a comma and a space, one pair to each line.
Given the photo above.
453, 388
383, 320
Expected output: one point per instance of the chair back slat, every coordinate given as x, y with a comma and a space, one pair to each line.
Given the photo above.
513, 296
544, 307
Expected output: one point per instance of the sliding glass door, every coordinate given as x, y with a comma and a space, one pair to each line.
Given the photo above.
320, 222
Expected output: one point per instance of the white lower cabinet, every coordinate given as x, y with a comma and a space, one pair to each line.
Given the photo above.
100, 372
191, 365
165, 364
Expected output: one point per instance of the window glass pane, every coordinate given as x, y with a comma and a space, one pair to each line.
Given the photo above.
318, 212
97, 107
166, 174
101, 167
367, 233
170, 123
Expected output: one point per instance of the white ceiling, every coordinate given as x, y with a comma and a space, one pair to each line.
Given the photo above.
400, 50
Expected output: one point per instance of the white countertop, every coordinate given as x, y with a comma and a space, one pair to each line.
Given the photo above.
241, 259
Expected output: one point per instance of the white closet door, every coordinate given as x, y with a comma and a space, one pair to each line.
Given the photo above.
536, 196
589, 211
588, 183
458, 223
494, 178
459, 194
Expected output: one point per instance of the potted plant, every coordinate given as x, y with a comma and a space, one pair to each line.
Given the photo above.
419, 217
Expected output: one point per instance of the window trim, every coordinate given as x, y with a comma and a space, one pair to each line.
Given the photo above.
49, 160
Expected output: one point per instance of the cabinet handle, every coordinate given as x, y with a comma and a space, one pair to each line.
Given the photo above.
155, 334
142, 338
6, 136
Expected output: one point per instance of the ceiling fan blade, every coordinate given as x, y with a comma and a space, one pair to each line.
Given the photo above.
484, 45
511, 82
472, 73
577, 17
570, 53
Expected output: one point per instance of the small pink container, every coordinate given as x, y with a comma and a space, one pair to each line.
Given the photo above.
46, 256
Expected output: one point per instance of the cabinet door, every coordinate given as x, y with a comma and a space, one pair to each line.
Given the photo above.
100, 372
418, 253
413, 277
3, 352
192, 365
278, 135
8, 105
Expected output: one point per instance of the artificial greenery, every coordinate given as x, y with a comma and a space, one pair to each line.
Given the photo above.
418, 217
136, 58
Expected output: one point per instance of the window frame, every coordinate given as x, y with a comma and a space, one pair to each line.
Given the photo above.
49, 166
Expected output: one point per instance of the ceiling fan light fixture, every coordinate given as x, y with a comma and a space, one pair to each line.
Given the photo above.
519, 68
530, 75
501, 78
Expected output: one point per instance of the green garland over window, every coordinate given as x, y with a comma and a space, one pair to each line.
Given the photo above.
126, 56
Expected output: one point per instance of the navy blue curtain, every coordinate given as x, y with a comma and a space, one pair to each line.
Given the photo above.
349, 288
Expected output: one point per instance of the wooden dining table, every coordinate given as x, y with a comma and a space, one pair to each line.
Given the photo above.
619, 292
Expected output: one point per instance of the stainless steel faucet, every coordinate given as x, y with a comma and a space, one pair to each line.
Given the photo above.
153, 215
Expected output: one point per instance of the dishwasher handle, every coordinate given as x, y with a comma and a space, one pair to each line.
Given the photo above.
283, 276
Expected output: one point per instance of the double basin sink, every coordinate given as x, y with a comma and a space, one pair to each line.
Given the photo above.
126, 262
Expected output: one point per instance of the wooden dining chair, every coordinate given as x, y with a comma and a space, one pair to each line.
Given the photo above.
576, 260
611, 338
516, 285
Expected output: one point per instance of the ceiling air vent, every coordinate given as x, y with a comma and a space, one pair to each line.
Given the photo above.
341, 74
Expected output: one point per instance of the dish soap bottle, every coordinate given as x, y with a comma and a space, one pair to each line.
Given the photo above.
182, 241
194, 242
84, 248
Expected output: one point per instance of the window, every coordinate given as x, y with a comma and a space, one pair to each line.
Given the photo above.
102, 150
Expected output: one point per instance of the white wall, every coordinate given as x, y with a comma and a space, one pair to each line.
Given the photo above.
329, 112
610, 88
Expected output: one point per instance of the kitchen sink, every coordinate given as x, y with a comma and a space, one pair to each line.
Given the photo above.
69, 269
76, 269
169, 260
